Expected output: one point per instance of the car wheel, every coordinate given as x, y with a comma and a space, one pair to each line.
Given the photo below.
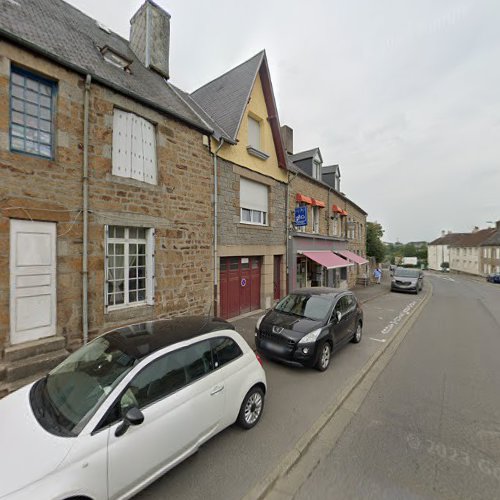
251, 408
325, 353
358, 334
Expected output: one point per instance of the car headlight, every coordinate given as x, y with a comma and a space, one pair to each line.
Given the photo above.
259, 321
393, 280
310, 337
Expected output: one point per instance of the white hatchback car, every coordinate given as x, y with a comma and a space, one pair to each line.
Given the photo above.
130, 405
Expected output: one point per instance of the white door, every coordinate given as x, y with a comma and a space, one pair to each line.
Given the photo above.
32, 280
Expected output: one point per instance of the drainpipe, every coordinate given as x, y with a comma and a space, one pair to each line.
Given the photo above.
287, 231
85, 182
216, 220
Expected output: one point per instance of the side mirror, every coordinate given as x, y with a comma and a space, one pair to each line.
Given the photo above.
134, 416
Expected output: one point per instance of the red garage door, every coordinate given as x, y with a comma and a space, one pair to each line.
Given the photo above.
239, 285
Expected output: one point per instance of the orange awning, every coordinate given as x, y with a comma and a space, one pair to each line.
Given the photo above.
305, 199
318, 203
344, 212
336, 209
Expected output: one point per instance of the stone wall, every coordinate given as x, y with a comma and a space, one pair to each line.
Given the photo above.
231, 231
179, 207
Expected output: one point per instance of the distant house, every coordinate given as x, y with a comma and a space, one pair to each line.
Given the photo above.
490, 252
465, 252
438, 251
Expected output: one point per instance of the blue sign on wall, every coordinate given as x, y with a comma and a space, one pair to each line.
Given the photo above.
301, 216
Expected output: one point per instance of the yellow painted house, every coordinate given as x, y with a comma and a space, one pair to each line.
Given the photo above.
250, 174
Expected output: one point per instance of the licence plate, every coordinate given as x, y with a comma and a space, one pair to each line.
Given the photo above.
273, 347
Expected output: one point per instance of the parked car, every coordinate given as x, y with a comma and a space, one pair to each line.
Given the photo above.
407, 280
308, 325
493, 278
126, 408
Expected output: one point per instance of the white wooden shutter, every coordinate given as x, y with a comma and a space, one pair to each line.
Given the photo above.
150, 266
137, 154
149, 151
106, 263
253, 195
121, 157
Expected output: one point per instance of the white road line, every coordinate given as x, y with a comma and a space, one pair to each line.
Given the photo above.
378, 340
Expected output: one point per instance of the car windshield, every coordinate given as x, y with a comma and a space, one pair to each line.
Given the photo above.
77, 387
407, 273
314, 307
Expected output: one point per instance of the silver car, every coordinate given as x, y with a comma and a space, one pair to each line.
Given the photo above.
407, 280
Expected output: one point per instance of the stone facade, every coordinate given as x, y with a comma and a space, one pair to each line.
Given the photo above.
333, 233
179, 207
238, 239
231, 231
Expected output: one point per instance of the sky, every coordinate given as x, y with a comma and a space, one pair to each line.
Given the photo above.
404, 95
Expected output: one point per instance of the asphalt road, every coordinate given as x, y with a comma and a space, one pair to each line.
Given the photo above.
430, 425
232, 463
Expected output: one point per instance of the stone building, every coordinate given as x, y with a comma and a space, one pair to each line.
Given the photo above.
490, 253
106, 184
250, 187
466, 251
327, 231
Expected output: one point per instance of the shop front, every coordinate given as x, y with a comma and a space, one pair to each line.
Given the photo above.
313, 262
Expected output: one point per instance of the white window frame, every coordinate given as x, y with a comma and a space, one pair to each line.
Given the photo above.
315, 219
149, 241
134, 152
254, 133
251, 214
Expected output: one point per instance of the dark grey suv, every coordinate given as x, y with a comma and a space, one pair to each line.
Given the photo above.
308, 325
407, 280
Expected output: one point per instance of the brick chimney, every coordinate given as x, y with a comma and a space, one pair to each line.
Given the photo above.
287, 138
443, 232
150, 37
498, 225
475, 229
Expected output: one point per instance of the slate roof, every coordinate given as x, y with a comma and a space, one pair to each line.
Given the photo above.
447, 239
226, 97
67, 36
493, 240
331, 169
303, 155
473, 239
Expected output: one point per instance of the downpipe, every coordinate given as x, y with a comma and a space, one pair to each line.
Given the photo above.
85, 186
216, 223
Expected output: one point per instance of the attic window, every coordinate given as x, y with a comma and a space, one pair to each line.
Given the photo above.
115, 59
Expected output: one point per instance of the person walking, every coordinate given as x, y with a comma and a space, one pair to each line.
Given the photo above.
377, 274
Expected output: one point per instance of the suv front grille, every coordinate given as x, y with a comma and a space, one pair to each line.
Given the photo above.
276, 338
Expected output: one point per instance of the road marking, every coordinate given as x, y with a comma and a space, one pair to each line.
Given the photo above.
378, 340
394, 322
446, 452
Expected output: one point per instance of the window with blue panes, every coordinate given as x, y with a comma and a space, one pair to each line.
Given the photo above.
31, 114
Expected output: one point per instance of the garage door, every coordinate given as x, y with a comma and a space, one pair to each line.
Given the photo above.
239, 285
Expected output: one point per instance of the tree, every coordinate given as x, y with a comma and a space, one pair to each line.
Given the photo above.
374, 246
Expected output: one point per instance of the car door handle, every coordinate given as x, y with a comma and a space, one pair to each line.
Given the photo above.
216, 389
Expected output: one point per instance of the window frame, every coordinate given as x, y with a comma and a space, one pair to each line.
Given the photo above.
17, 70
255, 213
256, 121
315, 219
128, 170
149, 266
